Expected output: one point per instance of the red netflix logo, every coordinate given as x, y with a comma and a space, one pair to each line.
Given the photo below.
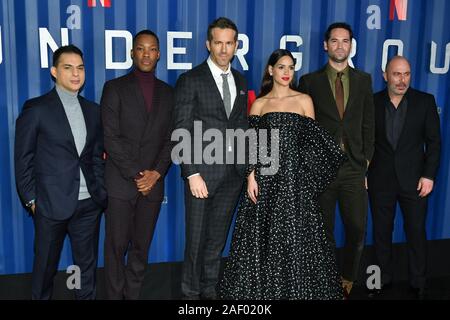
103, 3
399, 6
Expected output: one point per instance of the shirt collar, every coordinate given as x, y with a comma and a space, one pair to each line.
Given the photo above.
403, 103
215, 70
333, 72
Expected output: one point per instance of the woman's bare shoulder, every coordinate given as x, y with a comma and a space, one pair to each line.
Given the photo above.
257, 106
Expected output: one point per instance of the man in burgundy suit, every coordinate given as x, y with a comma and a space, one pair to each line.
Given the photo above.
136, 113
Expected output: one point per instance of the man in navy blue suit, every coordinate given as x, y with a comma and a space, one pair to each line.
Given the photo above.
59, 172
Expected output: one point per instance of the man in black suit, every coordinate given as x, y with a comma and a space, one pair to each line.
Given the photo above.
59, 173
343, 104
212, 95
403, 169
136, 112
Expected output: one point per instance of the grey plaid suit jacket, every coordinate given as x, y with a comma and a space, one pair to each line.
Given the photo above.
197, 98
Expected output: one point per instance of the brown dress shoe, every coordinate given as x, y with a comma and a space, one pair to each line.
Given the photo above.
347, 288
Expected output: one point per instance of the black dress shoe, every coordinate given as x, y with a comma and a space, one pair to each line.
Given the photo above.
373, 293
190, 298
209, 297
418, 293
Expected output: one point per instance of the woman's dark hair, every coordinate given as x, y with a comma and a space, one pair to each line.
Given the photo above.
267, 81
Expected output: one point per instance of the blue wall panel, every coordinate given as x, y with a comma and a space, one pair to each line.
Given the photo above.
262, 22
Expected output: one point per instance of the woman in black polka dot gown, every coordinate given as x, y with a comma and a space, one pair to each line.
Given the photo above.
279, 249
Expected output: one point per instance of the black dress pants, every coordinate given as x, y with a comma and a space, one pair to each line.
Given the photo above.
383, 204
129, 231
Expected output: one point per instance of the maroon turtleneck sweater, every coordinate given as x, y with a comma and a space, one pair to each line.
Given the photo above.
146, 81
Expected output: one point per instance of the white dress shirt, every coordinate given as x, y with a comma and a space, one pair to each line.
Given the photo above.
217, 75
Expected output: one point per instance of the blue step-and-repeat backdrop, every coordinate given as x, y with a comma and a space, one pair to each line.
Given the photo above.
30, 30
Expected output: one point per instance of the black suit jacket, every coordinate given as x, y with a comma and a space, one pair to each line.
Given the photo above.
135, 140
199, 99
357, 128
418, 150
47, 164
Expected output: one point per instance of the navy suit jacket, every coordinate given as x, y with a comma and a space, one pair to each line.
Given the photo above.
47, 164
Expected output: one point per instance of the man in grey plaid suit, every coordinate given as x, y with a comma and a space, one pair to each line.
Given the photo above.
214, 96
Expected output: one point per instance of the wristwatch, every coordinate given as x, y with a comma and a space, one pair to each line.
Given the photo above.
30, 203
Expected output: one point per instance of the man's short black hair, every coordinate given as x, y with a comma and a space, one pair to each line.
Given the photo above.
65, 49
145, 32
222, 23
336, 25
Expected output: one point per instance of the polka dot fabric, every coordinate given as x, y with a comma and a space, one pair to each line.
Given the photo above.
279, 249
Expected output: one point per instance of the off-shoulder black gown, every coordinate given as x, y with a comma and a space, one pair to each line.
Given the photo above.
279, 249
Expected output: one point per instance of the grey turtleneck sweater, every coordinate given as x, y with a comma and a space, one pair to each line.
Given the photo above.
75, 116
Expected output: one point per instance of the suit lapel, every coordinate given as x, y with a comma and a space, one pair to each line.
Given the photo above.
156, 101
63, 121
408, 117
135, 89
90, 127
212, 83
409, 111
239, 89
325, 83
352, 88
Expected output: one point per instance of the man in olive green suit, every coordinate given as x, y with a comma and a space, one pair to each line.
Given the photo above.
343, 103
